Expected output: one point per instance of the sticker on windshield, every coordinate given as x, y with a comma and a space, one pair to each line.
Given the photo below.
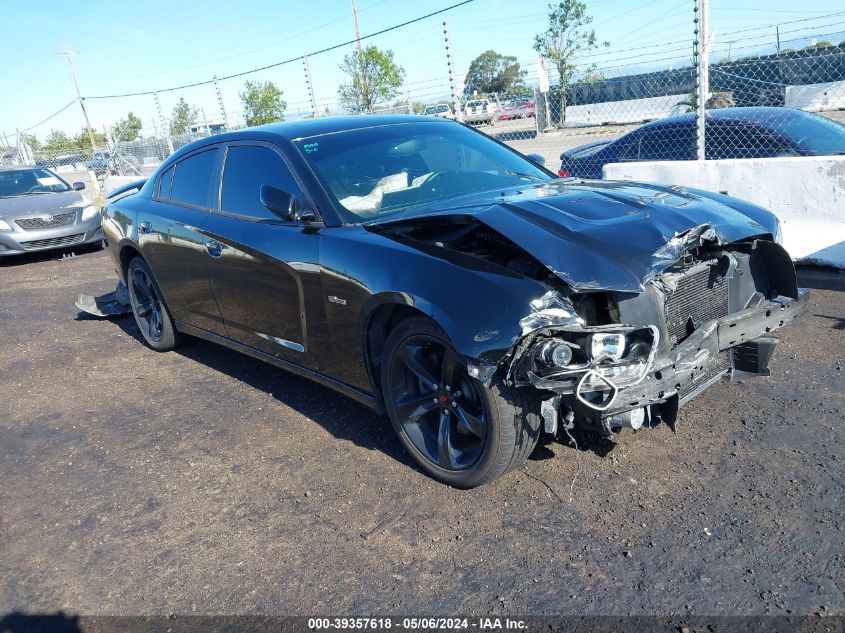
49, 181
310, 148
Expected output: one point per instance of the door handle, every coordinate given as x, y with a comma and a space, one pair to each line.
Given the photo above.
146, 227
214, 248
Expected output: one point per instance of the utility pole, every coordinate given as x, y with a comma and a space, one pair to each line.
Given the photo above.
220, 101
310, 87
69, 53
777, 33
703, 47
360, 58
458, 112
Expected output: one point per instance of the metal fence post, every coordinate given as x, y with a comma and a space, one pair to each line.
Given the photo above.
220, 101
702, 43
310, 87
164, 129
458, 112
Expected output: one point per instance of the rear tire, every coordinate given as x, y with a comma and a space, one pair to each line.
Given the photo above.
148, 307
458, 430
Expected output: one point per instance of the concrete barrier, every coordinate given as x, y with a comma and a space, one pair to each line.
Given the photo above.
629, 111
817, 97
806, 193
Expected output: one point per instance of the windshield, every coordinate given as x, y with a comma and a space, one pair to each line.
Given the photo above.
381, 171
815, 134
20, 182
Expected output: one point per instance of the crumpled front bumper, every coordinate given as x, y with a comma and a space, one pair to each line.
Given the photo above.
689, 367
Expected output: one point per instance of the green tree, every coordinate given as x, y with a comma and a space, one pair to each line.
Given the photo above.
83, 141
128, 128
262, 103
373, 78
182, 117
58, 141
567, 35
492, 72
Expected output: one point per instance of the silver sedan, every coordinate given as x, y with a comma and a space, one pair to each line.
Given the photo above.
40, 211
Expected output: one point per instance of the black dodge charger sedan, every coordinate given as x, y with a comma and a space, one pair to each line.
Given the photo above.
434, 274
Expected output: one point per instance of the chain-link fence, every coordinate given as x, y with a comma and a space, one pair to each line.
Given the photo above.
764, 97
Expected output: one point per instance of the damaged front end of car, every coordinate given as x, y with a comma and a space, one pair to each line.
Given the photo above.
608, 360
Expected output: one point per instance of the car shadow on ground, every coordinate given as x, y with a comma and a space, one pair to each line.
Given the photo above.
24, 259
821, 278
341, 416
356, 424
59, 622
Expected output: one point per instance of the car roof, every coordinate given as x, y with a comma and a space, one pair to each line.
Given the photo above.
766, 117
18, 167
307, 128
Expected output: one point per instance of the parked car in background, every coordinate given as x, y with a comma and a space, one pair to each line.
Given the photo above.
103, 162
480, 112
517, 109
100, 163
39, 211
441, 110
61, 160
758, 132
428, 271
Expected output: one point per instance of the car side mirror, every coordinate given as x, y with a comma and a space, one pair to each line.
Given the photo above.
284, 204
78, 186
536, 158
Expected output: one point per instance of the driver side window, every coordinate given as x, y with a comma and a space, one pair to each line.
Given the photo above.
247, 167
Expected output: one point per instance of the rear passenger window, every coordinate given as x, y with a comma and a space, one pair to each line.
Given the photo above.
164, 184
193, 182
247, 168
668, 143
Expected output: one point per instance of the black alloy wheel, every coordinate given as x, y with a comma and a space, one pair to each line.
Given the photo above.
145, 304
460, 431
148, 307
439, 407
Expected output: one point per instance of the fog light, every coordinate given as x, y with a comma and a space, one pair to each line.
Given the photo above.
610, 346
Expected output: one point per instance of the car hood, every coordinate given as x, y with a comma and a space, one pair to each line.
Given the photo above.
41, 203
606, 235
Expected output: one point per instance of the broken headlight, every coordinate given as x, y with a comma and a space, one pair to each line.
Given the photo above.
621, 357
607, 346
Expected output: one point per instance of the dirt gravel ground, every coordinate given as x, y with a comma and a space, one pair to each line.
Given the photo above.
206, 482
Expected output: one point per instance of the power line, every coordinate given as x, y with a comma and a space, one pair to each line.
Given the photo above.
287, 61
55, 114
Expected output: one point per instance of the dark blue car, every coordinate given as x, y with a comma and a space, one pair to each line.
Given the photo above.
730, 133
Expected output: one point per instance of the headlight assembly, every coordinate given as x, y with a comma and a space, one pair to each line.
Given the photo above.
89, 212
607, 346
5, 226
620, 357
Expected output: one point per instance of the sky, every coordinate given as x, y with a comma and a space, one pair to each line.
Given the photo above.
121, 49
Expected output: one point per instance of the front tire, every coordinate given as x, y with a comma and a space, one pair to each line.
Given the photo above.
459, 431
151, 314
